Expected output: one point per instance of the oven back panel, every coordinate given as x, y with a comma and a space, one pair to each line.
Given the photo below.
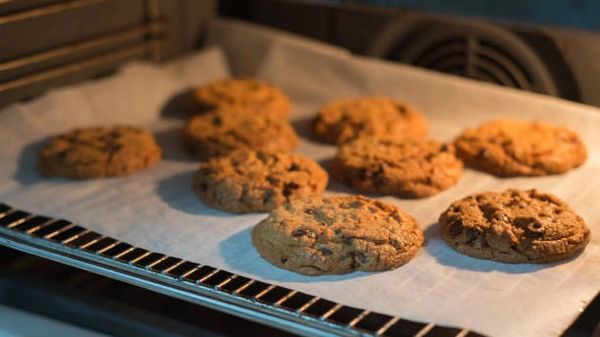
548, 60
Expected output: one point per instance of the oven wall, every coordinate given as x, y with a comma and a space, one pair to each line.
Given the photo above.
48, 43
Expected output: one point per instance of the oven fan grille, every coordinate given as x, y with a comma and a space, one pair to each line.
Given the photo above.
477, 59
478, 51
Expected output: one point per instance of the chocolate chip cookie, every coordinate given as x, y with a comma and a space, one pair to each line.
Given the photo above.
222, 131
243, 93
514, 226
257, 181
405, 168
341, 121
337, 235
510, 147
95, 152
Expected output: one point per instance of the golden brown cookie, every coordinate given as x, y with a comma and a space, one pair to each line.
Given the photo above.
243, 93
405, 168
508, 147
258, 181
341, 121
337, 235
222, 131
514, 226
95, 152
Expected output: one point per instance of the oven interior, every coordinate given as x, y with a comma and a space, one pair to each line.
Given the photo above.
549, 60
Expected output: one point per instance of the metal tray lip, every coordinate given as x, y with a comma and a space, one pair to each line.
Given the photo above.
251, 307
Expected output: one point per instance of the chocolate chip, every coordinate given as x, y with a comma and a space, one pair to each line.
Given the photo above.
323, 218
299, 232
237, 136
362, 173
354, 204
325, 251
360, 258
288, 188
262, 156
217, 120
378, 176
455, 208
357, 259
489, 211
293, 167
512, 202
267, 196
532, 228
397, 217
309, 210
471, 235
113, 147
522, 222
455, 227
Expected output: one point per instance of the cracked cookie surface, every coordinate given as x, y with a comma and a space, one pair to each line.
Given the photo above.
222, 131
405, 168
510, 147
95, 152
514, 226
257, 181
243, 93
344, 120
337, 235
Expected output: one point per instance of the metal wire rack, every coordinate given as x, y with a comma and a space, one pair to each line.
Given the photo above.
288, 309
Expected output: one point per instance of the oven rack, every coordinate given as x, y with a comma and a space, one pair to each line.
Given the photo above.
297, 312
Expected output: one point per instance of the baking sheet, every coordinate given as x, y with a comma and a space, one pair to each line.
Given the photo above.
156, 209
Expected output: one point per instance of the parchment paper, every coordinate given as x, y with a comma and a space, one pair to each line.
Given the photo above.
156, 209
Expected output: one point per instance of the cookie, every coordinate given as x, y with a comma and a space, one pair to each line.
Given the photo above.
508, 147
95, 152
341, 121
222, 131
257, 181
514, 226
243, 93
405, 168
337, 235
